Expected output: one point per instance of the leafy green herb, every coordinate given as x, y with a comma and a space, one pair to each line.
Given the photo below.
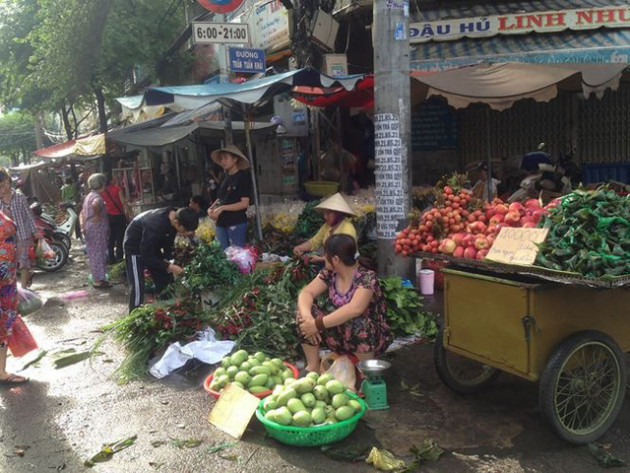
404, 309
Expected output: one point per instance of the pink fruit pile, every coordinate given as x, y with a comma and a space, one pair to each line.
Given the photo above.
457, 229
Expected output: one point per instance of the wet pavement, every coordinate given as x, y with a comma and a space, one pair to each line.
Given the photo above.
63, 416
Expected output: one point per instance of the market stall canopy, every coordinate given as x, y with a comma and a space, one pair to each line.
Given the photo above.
361, 96
136, 111
89, 146
500, 85
252, 92
166, 135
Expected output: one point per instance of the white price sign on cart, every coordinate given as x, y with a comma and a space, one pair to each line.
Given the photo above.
205, 32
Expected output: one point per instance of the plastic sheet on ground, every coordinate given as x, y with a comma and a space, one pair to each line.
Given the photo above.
207, 350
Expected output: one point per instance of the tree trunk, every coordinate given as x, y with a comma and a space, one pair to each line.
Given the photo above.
102, 114
66, 122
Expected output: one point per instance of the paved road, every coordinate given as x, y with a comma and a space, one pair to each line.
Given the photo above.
62, 417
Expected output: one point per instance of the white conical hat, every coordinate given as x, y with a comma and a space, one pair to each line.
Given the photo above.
243, 162
337, 203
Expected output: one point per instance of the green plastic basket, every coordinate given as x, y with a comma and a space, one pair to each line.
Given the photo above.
312, 436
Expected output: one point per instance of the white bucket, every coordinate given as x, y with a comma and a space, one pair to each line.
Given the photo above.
426, 281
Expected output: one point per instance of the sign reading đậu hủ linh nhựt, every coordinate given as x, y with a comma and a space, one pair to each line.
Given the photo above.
521, 23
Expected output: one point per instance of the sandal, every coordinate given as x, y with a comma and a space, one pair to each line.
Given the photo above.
103, 285
13, 379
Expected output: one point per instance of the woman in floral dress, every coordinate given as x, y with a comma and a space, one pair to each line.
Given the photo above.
8, 294
96, 230
357, 325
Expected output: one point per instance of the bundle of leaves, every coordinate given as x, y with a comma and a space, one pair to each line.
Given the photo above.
150, 328
589, 234
184, 250
259, 313
277, 242
210, 269
309, 221
404, 309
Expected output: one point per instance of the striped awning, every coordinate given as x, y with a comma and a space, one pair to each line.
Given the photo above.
594, 46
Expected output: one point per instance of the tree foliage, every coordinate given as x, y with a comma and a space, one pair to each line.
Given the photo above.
73, 53
17, 137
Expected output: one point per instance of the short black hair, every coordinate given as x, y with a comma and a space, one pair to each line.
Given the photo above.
200, 200
68, 180
341, 245
187, 218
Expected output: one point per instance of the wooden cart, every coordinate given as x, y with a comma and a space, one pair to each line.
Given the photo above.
571, 339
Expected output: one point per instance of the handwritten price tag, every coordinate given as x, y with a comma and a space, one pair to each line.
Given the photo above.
517, 245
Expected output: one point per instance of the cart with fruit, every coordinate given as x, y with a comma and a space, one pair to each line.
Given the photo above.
563, 321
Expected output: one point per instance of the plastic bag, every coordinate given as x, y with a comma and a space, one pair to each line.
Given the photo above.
44, 250
29, 301
341, 368
245, 258
384, 460
21, 341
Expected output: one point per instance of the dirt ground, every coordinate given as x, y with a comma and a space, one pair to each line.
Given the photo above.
62, 417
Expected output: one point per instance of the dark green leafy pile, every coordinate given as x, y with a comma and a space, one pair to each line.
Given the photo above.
278, 242
589, 234
309, 221
211, 269
404, 309
259, 313
152, 327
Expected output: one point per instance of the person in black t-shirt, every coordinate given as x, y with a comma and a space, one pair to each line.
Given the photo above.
229, 210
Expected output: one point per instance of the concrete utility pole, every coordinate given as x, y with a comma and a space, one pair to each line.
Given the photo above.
392, 130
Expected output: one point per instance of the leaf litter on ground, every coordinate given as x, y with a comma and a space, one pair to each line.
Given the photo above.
186, 443
109, 449
604, 457
221, 446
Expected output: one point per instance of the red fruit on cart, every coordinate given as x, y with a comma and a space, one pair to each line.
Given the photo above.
529, 225
516, 207
459, 252
470, 253
512, 218
448, 190
532, 204
458, 238
447, 246
496, 218
481, 242
501, 209
481, 254
469, 240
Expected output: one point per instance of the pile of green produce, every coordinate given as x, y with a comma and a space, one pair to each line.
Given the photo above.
309, 221
210, 269
404, 309
257, 373
310, 401
151, 327
589, 234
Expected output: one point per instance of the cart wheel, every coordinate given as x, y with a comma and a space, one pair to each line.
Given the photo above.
459, 373
582, 388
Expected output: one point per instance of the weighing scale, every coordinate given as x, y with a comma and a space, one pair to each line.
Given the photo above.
373, 386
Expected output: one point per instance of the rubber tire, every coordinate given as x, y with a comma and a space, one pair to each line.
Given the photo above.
63, 238
441, 366
61, 257
548, 382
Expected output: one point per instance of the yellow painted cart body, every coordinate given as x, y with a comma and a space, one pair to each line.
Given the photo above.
540, 331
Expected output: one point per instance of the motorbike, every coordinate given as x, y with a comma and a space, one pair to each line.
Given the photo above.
55, 239
60, 232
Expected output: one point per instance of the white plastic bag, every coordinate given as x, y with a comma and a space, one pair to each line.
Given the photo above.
245, 258
29, 301
341, 368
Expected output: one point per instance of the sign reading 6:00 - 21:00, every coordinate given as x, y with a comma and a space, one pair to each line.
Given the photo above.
204, 32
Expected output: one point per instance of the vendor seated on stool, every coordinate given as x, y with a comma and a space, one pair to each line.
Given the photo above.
357, 325
337, 213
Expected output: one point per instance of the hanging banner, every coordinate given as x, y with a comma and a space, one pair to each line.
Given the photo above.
221, 6
520, 23
390, 201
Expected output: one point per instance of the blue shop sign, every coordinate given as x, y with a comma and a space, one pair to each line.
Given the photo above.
246, 60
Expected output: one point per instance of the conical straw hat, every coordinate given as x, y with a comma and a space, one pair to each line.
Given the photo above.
337, 203
243, 162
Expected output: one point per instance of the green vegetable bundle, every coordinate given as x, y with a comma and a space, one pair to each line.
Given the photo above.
210, 268
404, 309
589, 234
309, 221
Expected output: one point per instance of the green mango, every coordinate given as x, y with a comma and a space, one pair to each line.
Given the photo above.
231, 371
302, 419
245, 366
260, 370
270, 383
285, 395
239, 357
259, 380
319, 403
308, 399
335, 387
324, 378
271, 415
219, 372
269, 403
287, 374
356, 405
243, 377
283, 416
236, 383
313, 375
305, 385
278, 363
344, 412
254, 362
320, 393
295, 405
260, 356
318, 415
257, 389
340, 400
226, 362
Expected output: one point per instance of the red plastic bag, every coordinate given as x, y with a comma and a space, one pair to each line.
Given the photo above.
21, 341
